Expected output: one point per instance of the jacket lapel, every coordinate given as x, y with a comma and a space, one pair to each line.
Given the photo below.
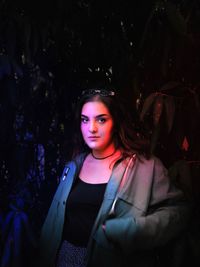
110, 193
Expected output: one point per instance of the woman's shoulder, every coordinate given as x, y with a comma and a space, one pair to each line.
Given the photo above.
156, 161
75, 163
71, 167
76, 159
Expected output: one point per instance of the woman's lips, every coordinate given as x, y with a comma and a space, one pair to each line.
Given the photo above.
93, 137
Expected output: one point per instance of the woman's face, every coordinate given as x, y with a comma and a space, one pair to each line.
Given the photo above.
97, 126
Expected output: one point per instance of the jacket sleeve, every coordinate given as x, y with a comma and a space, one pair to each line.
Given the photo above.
51, 231
167, 215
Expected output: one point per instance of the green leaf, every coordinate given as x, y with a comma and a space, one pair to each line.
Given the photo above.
17, 69
170, 85
147, 104
170, 111
158, 107
154, 138
10, 33
196, 101
180, 174
147, 25
26, 37
166, 54
5, 66
176, 19
43, 33
180, 134
34, 40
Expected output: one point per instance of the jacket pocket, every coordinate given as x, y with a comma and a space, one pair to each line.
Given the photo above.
127, 205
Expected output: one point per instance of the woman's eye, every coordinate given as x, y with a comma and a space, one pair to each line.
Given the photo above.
101, 120
84, 120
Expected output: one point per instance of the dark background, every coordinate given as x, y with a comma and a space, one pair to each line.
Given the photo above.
149, 51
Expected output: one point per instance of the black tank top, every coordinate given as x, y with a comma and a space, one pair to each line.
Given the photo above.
82, 208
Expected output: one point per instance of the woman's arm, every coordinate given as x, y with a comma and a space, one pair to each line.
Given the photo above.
166, 217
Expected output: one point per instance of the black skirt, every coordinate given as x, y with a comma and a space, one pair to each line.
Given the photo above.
71, 256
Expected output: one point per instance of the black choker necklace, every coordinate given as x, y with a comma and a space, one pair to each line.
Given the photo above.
102, 157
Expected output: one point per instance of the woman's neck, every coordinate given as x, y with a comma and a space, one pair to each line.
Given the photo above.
104, 154
102, 157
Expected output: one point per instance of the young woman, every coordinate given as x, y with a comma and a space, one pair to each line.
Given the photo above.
114, 205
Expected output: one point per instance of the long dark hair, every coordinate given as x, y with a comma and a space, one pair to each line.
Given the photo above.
124, 136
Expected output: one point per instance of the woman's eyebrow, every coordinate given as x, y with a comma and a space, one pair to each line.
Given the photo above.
98, 116
101, 115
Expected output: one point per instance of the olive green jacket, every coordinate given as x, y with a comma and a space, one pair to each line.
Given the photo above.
148, 212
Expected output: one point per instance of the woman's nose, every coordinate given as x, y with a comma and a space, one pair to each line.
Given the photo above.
92, 127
